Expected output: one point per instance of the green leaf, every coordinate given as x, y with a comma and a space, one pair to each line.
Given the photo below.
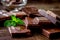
13, 17
9, 23
19, 21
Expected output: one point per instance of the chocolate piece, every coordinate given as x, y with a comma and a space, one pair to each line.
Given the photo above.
16, 32
32, 22
43, 19
31, 11
44, 22
21, 15
48, 15
33, 25
38, 22
51, 16
20, 30
51, 32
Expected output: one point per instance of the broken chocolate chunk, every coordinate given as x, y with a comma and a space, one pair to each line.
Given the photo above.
51, 33
31, 11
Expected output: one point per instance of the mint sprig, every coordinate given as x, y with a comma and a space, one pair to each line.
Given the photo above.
13, 22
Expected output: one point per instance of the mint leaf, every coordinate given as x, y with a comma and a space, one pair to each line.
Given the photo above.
19, 21
13, 17
9, 23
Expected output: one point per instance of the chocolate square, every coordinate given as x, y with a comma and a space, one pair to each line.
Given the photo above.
51, 32
31, 11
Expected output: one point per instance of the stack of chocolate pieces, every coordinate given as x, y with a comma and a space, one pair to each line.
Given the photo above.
52, 31
33, 19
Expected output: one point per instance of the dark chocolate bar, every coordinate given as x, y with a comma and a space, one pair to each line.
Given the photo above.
31, 11
38, 22
51, 16
51, 32
44, 22
20, 30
